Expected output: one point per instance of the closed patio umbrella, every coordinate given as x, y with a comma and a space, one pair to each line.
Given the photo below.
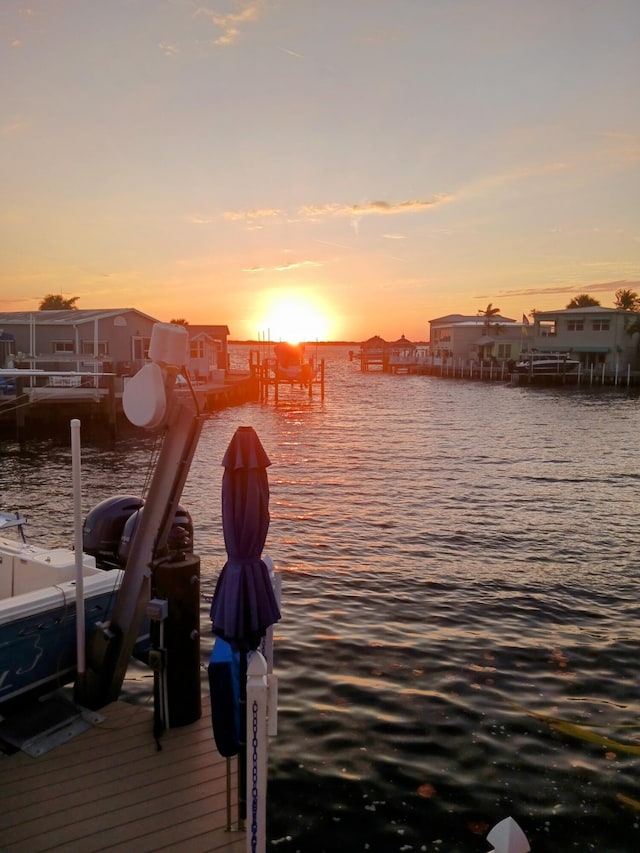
244, 604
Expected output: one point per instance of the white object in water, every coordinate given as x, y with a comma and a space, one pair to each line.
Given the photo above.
507, 837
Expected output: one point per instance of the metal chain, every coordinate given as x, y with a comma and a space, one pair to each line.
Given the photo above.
254, 778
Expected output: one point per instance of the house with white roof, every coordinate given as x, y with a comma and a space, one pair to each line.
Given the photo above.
598, 337
470, 338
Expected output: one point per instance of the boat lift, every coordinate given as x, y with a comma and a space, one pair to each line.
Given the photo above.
147, 403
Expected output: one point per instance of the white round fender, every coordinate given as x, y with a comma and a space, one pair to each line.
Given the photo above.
144, 399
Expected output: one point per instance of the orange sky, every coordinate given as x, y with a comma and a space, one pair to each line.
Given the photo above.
320, 171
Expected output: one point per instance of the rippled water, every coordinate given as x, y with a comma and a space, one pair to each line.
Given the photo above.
460, 625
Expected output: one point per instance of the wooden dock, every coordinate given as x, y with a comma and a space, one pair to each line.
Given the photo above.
110, 788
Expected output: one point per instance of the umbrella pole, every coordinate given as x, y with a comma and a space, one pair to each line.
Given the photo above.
228, 795
242, 751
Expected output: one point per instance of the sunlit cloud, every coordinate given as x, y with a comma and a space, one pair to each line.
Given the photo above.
383, 208
13, 129
251, 215
169, 49
16, 43
231, 23
291, 52
284, 267
394, 236
295, 266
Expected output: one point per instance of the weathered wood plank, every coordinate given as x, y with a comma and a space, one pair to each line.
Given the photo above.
110, 788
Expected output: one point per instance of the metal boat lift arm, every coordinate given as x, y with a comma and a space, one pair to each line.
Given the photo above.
111, 645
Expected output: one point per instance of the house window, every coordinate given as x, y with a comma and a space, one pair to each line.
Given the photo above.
140, 348
601, 325
87, 347
547, 328
63, 346
504, 350
196, 349
575, 325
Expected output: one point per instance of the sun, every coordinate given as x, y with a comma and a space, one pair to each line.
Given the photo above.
295, 318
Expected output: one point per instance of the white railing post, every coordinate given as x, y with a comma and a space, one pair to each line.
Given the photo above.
257, 742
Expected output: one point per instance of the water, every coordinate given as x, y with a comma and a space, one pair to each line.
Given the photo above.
460, 625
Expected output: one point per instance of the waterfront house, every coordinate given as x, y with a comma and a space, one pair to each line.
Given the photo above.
597, 336
208, 351
114, 340
101, 340
460, 337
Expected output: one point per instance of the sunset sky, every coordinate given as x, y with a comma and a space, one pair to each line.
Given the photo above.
327, 169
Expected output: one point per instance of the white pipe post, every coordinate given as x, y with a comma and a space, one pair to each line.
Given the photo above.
257, 741
267, 649
77, 533
628, 375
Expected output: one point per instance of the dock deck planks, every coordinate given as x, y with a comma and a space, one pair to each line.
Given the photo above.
110, 788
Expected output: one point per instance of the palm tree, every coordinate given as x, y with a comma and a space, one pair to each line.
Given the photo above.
583, 301
56, 302
627, 300
489, 313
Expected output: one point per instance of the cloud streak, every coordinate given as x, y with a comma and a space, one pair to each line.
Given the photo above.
375, 208
232, 23
314, 212
283, 268
571, 288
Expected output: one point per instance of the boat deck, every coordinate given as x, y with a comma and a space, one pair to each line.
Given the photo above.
110, 788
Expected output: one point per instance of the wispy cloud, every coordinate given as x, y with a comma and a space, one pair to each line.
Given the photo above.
169, 49
254, 218
291, 52
284, 268
382, 208
394, 236
252, 215
570, 288
13, 128
230, 24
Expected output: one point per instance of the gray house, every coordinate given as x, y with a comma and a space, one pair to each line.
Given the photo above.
117, 340
99, 340
597, 336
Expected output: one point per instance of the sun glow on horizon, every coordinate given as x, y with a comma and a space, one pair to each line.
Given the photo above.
294, 318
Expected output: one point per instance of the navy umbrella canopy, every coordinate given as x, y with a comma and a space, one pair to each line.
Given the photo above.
244, 604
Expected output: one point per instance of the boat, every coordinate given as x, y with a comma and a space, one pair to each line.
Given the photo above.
121, 537
546, 363
290, 364
38, 611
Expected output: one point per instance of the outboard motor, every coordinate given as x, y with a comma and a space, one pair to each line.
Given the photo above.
103, 527
179, 542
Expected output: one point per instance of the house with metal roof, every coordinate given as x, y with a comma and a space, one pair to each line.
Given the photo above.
111, 340
70, 339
